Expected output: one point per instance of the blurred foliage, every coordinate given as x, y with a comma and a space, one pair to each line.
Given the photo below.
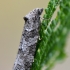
51, 46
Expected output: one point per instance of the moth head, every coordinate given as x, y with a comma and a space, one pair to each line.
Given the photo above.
35, 13
39, 11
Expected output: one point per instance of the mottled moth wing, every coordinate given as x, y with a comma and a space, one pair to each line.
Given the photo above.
30, 35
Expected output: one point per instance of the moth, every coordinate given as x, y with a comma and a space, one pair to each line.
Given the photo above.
29, 38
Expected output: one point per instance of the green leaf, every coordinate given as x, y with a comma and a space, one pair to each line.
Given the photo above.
51, 46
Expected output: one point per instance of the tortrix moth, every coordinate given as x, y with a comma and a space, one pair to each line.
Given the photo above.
30, 35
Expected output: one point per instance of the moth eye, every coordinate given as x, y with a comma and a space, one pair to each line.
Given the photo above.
25, 18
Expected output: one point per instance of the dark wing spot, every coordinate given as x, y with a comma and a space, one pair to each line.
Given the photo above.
30, 34
33, 19
32, 49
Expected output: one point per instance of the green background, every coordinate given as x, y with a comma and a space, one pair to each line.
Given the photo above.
11, 25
